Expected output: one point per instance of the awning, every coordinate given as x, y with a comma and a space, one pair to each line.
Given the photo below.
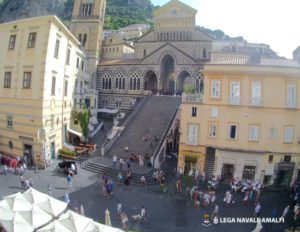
75, 132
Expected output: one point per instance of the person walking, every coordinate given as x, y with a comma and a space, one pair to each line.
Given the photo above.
121, 163
124, 220
143, 214
179, 185
120, 177
215, 213
22, 181
119, 208
49, 190
69, 180
246, 198
143, 180
257, 209
285, 211
115, 160
67, 198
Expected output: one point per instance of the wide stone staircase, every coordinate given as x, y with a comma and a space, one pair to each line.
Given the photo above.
152, 120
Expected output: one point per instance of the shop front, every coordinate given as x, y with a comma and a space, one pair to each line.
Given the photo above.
285, 173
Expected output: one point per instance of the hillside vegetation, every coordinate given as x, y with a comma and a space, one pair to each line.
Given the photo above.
119, 13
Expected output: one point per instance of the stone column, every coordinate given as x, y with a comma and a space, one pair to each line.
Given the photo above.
175, 86
158, 86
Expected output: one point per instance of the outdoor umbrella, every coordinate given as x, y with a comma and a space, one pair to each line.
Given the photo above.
34, 196
17, 202
20, 222
53, 206
68, 222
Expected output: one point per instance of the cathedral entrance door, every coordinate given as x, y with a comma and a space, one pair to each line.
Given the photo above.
167, 75
151, 82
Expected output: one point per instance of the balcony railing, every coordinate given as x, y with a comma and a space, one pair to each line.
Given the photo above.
256, 101
291, 104
197, 98
234, 100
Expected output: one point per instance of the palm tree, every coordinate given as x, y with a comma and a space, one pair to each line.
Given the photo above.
83, 117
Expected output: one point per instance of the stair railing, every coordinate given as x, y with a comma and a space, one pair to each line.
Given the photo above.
162, 139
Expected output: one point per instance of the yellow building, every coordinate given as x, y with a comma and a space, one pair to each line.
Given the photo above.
40, 62
114, 47
246, 123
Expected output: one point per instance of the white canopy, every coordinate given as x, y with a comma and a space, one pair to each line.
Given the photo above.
32, 210
28, 211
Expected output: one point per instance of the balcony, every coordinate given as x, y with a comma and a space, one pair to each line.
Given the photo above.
291, 104
234, 100
194, 98
256, 101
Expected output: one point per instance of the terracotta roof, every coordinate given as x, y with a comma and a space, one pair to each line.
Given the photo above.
117, 62
228, 60
250, 60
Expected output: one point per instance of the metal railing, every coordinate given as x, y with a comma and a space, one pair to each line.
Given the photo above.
234, 100
195, 98
256, 101
162, 139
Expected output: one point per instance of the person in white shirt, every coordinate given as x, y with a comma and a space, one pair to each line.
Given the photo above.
119, 208
143, 213
115, 160
257, 209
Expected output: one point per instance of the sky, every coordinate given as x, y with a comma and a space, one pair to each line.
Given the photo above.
274, 22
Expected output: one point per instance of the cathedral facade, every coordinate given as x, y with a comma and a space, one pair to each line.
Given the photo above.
165, 59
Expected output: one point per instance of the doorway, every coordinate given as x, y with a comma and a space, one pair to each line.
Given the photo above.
227, 171
52, 150
284, 177
190, 163
249, 172
28, 156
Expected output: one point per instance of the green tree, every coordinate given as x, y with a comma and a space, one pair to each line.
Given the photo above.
83, 118
189, 88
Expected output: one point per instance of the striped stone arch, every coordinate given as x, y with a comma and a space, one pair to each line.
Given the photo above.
150, 69
184, 69
167, 53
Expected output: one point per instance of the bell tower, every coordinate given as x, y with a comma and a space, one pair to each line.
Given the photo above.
87, 26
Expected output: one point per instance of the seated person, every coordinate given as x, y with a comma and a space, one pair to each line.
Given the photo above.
133, 157
147, 157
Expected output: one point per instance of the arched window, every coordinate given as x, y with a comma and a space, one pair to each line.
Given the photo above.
120, 81
145, 52
109, 83
161, 36
130, 84
134, 84
117, 83
84, 39
204, 53
167, 35
103, 85
123, 84
80, 38
138, 84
